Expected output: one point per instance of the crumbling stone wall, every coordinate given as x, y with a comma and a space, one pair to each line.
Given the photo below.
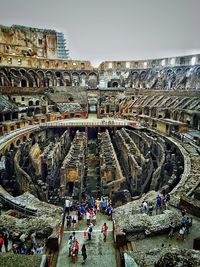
110, 169
73, 166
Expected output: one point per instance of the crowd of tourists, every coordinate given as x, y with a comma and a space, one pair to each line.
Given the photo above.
161, 203
20, 242
85, 214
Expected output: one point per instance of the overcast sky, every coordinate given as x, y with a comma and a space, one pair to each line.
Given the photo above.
99, 30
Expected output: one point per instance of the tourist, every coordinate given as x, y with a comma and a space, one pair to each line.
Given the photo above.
91, 202
69, 221
94, 218
33, 239
1, 243
158, 204
40, 249
67, 206
182, 233
103, 205
89, 231
144, 207
76, 246
187, 224
70, 244
104, 231
183, 212
84, 253
74, 250
80, 218
171, 229
5, 239
98, 204
82, 209
74, 222
88, 217
109, 211
150, 212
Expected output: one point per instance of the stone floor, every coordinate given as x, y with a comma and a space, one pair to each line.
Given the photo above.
99, 253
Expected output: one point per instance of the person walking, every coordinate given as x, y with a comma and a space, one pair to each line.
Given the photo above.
70, 244
89, 231
104, 231
84, 253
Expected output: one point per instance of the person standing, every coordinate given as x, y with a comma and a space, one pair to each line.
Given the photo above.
104, 231
70, 245
84, 253
5, 239
1, 243
67, 206
89, 231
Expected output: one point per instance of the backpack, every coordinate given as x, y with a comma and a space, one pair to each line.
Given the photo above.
90, 229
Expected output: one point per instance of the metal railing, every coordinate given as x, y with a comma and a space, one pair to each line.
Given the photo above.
17, 206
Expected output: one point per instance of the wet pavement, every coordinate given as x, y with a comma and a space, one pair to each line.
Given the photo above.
99, 253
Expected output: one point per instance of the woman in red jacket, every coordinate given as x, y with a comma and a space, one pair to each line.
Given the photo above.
104, 231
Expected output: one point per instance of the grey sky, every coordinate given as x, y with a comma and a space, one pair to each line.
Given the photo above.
99, 30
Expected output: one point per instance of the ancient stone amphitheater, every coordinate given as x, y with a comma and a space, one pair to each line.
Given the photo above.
125, 130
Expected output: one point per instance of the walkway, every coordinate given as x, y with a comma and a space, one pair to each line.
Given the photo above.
99, 253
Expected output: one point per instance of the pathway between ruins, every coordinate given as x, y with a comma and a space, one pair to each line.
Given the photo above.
99, 253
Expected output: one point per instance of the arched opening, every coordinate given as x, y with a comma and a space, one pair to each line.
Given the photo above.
37, 103
30, 103
23, 83
18, 142
12, 146
71, 99
196, 122
115, 84
70, 188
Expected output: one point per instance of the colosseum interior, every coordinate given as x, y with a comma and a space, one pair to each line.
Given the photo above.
127, 131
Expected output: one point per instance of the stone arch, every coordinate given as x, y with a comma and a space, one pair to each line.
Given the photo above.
41, 77
24, 83
18, 141
175, 115
134, 75
67, 78
30, 103
59, 78
26, 76
75, 78
37, 102
12, 147
146, 111
35, 76
167, 114
49, 78
83, 78
153, 112
143, 75
24, 138
4, 81
115, 84
92, 80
